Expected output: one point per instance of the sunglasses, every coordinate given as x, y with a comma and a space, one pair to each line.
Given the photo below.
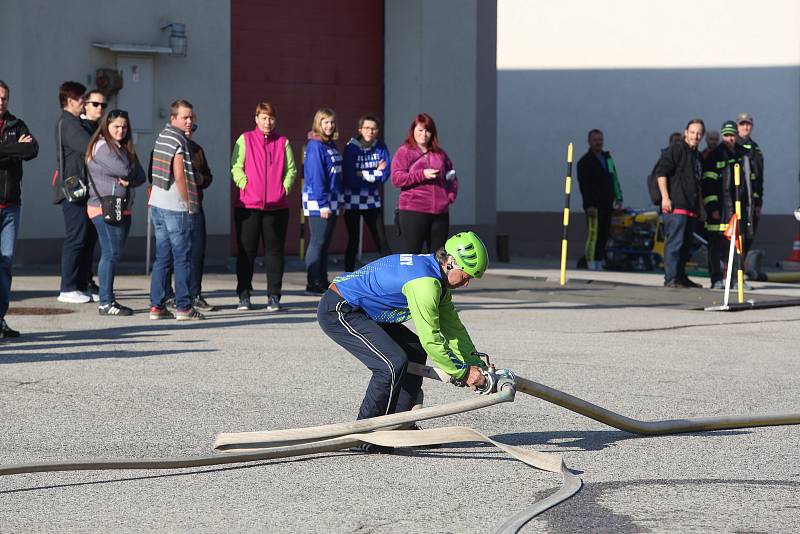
101, 105
114, 113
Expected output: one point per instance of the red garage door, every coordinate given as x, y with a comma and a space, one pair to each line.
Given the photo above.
303, 55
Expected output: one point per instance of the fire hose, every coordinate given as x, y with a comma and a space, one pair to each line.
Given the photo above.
501, 386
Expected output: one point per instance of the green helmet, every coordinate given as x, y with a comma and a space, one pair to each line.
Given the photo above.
469, 252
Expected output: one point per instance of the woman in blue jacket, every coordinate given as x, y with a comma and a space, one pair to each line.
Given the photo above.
366, 168
322, 172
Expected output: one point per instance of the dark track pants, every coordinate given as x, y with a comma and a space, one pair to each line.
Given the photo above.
385, 349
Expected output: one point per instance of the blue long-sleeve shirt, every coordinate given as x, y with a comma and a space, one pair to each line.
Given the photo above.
322, 173
399, 287
362, 178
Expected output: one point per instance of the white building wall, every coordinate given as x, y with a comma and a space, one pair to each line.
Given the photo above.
45, 43
638, 71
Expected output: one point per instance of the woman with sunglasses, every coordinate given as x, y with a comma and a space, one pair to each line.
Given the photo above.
94, 106
114, 170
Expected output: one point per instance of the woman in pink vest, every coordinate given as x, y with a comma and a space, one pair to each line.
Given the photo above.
264, 171
428, 185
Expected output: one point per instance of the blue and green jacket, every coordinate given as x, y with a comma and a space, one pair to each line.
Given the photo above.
399, 287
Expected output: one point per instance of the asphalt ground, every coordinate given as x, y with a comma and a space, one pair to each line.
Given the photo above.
80, 386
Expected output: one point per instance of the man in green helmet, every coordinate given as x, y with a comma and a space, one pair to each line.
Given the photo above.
363, 311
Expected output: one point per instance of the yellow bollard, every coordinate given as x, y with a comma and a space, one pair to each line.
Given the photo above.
302, 225
738, 234
567, 190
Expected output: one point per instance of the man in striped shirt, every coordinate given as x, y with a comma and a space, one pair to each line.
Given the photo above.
173, 199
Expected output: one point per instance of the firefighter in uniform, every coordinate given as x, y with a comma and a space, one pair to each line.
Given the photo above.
719, 196
753, 186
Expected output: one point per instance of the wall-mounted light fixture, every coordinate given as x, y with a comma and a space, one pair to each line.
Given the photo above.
177, 38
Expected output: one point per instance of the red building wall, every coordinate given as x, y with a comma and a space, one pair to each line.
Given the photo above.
302, 55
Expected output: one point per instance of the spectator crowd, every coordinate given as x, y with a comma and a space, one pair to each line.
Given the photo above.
694, 191
98, 173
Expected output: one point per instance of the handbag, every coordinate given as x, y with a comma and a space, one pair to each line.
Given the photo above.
74, 188
113, 206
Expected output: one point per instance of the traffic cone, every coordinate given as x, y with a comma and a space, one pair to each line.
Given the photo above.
793, 261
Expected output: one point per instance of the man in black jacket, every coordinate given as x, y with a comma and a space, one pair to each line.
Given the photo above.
599, 183
80, 236
16, 145
678, 174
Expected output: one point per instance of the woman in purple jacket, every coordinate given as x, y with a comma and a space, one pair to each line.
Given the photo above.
428, 183
263, 170
114, 170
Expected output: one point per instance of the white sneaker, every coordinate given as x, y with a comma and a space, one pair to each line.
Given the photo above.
73, 297
94, 297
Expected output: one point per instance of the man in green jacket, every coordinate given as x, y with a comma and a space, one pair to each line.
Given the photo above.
363, 312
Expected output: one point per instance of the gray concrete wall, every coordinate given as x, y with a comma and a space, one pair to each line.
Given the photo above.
540, 111
46, 43
638, 71
440, 59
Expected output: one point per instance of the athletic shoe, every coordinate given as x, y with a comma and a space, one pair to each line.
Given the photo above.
170, 304
115, 308
74, 297
672, 284
372, 449
200, 303
274, 304
189, 315
719, 284
244, 304
93, 291
157, 313
6, 331
315, 289
685, 282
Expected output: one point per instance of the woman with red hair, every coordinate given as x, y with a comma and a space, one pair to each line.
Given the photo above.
428, 185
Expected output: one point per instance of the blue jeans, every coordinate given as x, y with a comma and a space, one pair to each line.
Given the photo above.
678, 231
112, 240
317, 252
9, 227
198, 257
77, 253
173, 231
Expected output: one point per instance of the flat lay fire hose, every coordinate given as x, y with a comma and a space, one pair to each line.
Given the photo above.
501, 387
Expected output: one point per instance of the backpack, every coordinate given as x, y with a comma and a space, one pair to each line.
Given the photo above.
652, 188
